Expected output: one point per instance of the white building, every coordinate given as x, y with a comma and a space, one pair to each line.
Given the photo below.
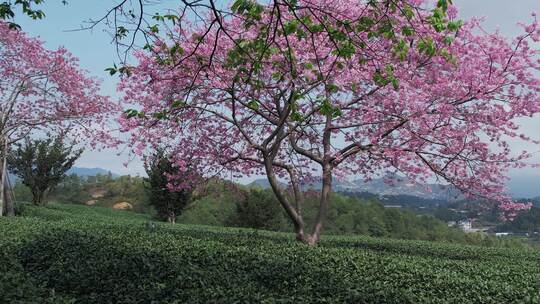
465, 225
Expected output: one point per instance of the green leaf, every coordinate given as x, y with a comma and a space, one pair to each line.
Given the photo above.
448, 40
130, 113
364, 24
160, 115
178, 104
296, 116
328, 109
455, 25
112, 70
308, 65
332, 88
346, 50
176, 49
407, 31
426, 46
121, 32
316, 28
395, 83
443, 4
379, 79
154, 28
253, 104
290, 26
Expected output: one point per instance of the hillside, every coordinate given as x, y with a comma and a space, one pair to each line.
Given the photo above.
98, 255
79, 171
378, 186
518, 186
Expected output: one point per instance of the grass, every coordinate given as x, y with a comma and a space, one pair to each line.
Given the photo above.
74, 253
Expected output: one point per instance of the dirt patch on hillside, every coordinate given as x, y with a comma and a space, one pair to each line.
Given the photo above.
123, 206
98, 193
90, 203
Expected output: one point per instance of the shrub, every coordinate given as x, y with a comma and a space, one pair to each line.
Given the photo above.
258, 209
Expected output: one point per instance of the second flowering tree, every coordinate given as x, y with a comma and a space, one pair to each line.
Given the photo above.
45, 90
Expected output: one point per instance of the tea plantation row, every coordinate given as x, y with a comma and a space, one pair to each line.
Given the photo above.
77, 254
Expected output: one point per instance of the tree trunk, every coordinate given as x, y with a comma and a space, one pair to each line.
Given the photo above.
9, 198
296, 218
326, 190
3, 177
171, 218
298, 200
295, 214
37, 197
326, 187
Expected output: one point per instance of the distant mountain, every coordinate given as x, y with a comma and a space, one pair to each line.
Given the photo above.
525, 186
80, 171
259, 183
520, 187
262, 183
399, 186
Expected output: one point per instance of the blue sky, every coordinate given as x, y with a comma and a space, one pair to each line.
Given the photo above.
97, 53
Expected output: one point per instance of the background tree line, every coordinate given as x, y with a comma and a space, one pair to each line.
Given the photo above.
41, 165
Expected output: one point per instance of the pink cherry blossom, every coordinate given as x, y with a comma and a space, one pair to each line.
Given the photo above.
312, 114
47, 90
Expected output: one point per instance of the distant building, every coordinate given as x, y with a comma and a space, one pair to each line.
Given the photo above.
392, 206
465, 225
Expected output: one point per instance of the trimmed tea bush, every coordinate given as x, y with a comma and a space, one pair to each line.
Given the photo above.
93, 255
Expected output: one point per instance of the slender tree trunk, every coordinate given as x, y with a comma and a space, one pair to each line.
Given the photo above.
37, 197
171, 218
326, 190
8, 194
298, 221
4, 175
326, 187
10, 207
298, 200
295, 214
42, 199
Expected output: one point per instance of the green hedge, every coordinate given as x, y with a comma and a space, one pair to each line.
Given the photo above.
86, 259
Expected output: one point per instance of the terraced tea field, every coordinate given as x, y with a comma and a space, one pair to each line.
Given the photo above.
79, 254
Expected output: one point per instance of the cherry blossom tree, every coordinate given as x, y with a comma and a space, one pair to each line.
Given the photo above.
318, 89
45, 90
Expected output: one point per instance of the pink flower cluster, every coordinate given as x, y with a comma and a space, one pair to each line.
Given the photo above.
47, 90
450, 115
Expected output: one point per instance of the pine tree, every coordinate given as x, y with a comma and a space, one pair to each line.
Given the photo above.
168, 203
